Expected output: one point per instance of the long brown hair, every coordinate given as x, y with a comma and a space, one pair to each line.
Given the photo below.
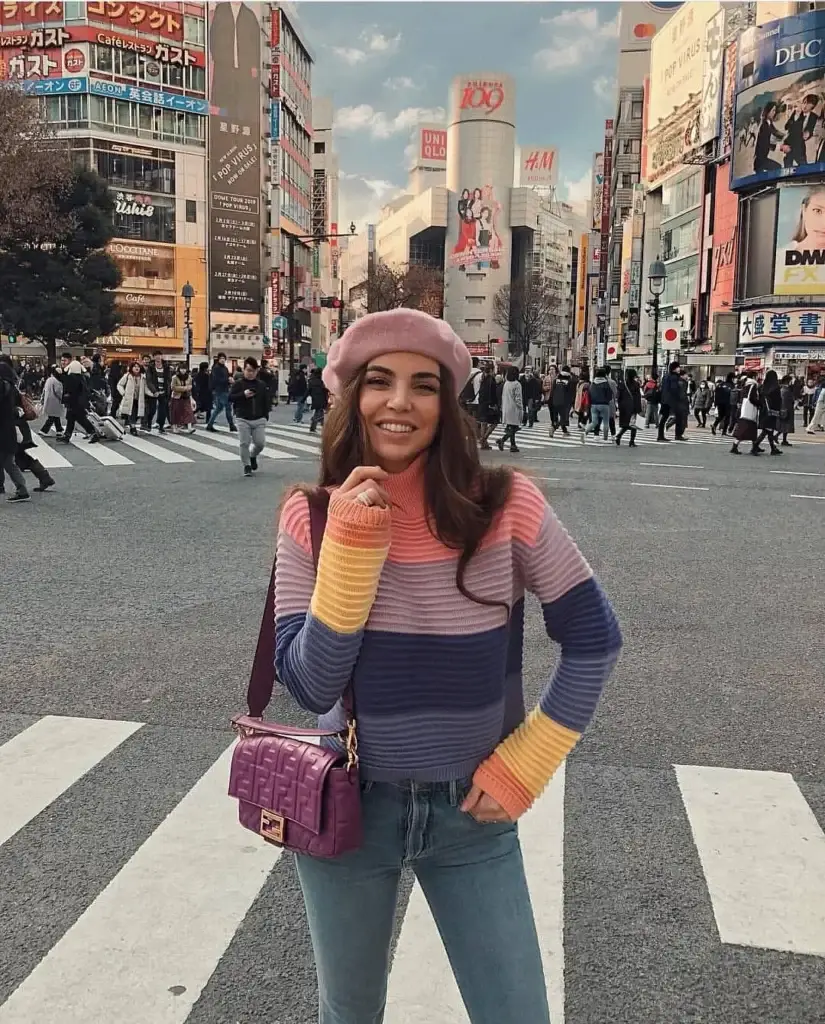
462, 496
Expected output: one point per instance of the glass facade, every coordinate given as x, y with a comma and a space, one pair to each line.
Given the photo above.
681, 195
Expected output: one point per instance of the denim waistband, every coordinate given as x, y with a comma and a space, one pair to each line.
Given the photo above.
454, 789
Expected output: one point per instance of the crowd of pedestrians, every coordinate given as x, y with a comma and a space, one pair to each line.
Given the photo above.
308, 390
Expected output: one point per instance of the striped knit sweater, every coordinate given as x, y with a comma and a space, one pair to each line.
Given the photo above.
438, 678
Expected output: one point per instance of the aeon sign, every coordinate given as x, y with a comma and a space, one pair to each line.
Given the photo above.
485, 97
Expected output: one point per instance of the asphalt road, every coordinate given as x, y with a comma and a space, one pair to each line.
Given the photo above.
133, 594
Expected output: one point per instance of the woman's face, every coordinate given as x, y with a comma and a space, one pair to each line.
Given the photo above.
814, 218
400, 407
136, 369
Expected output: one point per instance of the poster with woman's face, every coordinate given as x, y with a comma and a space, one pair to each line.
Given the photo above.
478, 240
236, 101
800, 241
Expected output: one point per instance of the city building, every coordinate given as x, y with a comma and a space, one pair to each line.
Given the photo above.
327, 291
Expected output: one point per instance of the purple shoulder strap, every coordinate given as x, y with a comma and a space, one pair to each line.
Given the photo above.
262, 677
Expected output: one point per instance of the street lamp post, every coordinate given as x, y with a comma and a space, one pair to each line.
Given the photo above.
187, 294
656, 277
292, 319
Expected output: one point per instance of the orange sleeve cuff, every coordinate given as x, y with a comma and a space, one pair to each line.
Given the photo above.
497, 781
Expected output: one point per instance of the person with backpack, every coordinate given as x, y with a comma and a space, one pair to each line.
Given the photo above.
76, 398
581, 403
416, 610
652, 396
601, 395
468, 398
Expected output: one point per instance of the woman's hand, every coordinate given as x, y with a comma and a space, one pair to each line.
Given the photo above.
483, 807
363, 485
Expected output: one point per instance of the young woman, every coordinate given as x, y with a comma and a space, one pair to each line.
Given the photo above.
770, 411
747, 416
512, 409
418, 599
181, 413
630, 406
52, 403
132, 388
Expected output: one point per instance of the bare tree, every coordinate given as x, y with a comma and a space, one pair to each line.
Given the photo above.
525, 310
416, 286
37, 172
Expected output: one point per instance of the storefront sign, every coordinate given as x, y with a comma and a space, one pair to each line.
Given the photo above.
275, 81
799, 267
36, 39
275, 29
275, 291
126, 203
275, 120
486, 97
131, 251
728, 101
605, 218
168, 100
17, 66
432, 146
799, 323
145, 17
539, 166
164, 52
12, 14
723, 256
74, 60
55, 86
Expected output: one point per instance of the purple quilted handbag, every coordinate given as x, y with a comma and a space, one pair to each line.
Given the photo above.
290, 790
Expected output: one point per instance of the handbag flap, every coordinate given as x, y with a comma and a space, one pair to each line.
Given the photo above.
282, 775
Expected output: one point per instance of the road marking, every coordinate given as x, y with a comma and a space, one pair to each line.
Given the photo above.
549, 479
670, 487
546, 458
199, 446
155, 450
102, 453
232, 441
813, 497
671, 465
146, 947
792, 472
763, 856
421, 984
293, 445
40, 763
48, 456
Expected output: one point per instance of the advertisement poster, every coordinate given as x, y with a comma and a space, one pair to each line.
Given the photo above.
780, 82
234, 160
800, 241
479, 244
677, 59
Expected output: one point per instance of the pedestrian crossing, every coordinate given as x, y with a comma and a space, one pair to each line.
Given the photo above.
538, 438
152, 930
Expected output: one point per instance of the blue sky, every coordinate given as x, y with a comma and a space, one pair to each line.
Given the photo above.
389, 65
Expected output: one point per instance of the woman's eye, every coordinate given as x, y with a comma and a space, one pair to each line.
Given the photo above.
430, 389
377, 382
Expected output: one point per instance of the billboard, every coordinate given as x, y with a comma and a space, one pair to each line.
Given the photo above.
799, 268
136, 16
596, 191
780, 81
234, 160
712, 78
677, 59
479, 242
432, 145
538, 166
781, 323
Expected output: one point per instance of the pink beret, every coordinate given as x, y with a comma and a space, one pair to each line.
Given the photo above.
397, 330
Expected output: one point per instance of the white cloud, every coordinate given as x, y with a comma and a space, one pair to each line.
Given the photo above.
379, 43
578, 191
402, 82
381, 125
577, 38
349, 54
605, 88
373, 42
360, 198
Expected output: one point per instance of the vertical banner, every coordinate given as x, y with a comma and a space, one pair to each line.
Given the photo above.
234, 160
581, 286
605, 217
334, 251
712, 78
728, 98
597, 184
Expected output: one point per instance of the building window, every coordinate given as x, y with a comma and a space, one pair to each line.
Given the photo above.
636, 109
320, 147
158, 226
629, 180
74, 10
682, 195
194, 30
631, 146
191, 211
151, 318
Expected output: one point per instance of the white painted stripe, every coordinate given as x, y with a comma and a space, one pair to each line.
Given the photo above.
231, 441
102, 453
813, 497
48, 456
548, 479
297, 428
43, 761
163, 922
154, 450
671, 465
791, 472
670, 487
200, 447
547, 458
290, 443
421, 984
763, 856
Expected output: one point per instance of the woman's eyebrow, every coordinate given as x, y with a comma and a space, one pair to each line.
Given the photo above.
380, 369
426, 375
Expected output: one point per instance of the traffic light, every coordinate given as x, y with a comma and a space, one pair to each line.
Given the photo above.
330, 302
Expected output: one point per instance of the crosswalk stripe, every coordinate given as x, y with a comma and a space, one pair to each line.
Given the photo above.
146, 947
288, 441
200, 447
41, 762
102, 453
301, 429
421, 983
154, 450
231, 441
50, 458
763, 856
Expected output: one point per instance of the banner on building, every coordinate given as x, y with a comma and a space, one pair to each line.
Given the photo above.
581, 286
13, 15
596, 191
234, 157
669, 143
275, 121
728, 101
275, 28
712, 78
778, 323
538, 167
780, 84
143, 17
799, 268
605, 213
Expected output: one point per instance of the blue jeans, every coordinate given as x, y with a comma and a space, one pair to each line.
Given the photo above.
472, 876
601, 417
300, 409
220, 403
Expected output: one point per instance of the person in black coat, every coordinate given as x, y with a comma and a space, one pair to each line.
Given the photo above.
76, 396
770, 411
762, 161
318, 398
629, 401
674, 402
722, 396
14, 452
201, 390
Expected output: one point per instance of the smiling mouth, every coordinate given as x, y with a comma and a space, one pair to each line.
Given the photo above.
396, 428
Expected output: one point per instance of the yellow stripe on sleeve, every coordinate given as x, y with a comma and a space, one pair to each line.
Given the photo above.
535, 750
346, 584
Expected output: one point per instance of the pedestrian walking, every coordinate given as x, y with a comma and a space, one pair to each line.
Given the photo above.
770, 411
201, 391
746, 423
787, 413
318, 399
614, 398
629, 403
581, 403
11, 413
181, 413
652, 395
671, 400
533, 395
512, 409
132, 391
219, 385
723, 398
298, 390
601, 395
250, 399
158, 392
489, 405
52, 403
817, 420
270, 379
113, 377
702, 401
443, 800
76, 397
562, 396
808, 401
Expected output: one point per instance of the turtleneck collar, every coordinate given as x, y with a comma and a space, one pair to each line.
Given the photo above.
406, 490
